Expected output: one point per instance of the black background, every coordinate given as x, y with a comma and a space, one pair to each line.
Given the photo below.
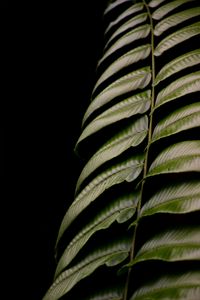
56, 52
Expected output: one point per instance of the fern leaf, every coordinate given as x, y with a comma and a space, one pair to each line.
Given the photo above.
181, 157
130, 137
155, 3
174, 287
180, 63
114, 4
137, 104
111, 255
133, 35
131, 10
179, 198
176, 19
130, 24
159, 13
177, 37
180, 87
184, 118
172, 245
120, 210
138, 79
126, 171
125, 60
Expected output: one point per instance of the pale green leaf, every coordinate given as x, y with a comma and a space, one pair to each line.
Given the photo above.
119, 210
175, 19
125, 60
140, 32
177, 37
138, 79
70, 277
180, 63
182, 119
136, 20
116, 259
172, 245
174, 287
184, 85
176, 199
129, 137
155, 3
114, 4
137, 104
180, 157
126, 171
131, 10
162, 11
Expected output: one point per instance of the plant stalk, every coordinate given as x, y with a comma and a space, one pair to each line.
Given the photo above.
145, 170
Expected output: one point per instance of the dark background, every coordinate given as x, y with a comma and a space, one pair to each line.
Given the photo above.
56, 52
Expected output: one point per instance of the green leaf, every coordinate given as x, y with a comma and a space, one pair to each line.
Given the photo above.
119, 210
137, 104
125, 60
167, 8
177, 37
182, 62
172, 245
175, 19
187, 84
110, 255
184, 118
114, 4
155, 3
138, 79
174, 287
131, 10
129, 137
181, 157
176, 199
138, 19
133, 35
126, 171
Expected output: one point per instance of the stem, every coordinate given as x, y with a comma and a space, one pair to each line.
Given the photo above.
132, 252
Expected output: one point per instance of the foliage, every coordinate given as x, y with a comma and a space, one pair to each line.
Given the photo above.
132, 231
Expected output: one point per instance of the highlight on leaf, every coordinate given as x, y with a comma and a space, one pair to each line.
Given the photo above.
174, 287
130, 24
173, 245
138, 79
165, 9
139, 32
175, 19
129, 137
183, 86
182, 119
119, 210
180, 63
179, 198
137, 104
131, 10
178, 37
126, 171
123, 61
110, 255
180, 157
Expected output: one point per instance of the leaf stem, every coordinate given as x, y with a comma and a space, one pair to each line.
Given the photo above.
132, 251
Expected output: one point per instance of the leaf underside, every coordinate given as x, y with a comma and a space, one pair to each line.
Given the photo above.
139, 187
